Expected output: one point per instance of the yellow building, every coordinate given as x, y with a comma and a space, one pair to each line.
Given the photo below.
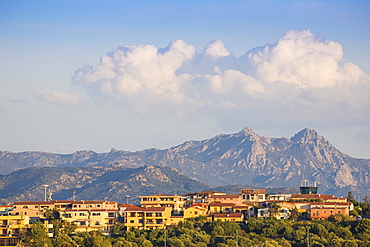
91, 219
33, 209
146, 218
10, 226
216, 207
195, 211
174, 220
175, 202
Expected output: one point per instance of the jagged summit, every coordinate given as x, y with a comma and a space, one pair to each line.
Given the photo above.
247, 131
306, 135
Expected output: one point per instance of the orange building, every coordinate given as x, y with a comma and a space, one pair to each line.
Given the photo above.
322, 210
236, 217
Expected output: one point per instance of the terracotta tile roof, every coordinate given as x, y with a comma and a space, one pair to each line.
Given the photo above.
33, 203
254, 191
225, 196
141, 209
220, 204
234, 215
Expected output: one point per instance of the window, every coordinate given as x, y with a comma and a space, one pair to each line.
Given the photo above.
97, 223
98, 206
83, 223
110, 214
36, 206
159, 221
25, 207
132, 221
158, 214
331, 211
149, 215
141, 221
82, 214
195, 212
95, 214
132, 214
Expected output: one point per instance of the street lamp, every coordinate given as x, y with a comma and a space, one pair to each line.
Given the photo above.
45, 188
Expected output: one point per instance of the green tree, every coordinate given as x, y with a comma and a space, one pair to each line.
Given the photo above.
255, 225
366, 206
118, 230
63, 240
274, 209
40, 236
294, 214
350, 197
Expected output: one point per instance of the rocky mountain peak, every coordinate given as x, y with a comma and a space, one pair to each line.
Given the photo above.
247, 131
306, 135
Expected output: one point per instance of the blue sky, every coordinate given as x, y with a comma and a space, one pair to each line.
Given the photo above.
144, 89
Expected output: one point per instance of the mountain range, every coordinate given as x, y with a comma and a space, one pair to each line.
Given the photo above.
243, 158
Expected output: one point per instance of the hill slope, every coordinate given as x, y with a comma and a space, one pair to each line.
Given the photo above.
95, 183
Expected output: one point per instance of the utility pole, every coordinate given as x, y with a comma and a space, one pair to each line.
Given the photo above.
308, 237
165, 238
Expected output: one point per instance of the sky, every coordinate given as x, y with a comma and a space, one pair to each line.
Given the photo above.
133, 75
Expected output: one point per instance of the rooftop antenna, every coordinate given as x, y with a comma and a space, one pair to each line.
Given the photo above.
45, 188
50, 194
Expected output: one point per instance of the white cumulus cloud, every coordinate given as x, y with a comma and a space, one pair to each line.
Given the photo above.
299, 75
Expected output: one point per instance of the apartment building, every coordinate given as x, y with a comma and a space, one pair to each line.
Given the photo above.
253, 195
146, 218
322, 210
91, 219
175, 202
235, 199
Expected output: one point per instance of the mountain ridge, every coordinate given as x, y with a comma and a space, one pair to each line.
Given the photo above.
228, 159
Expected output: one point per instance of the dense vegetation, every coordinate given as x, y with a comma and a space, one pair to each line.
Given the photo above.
338, 231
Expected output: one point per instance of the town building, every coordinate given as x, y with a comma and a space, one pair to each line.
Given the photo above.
146, 218
176, 202
253, 195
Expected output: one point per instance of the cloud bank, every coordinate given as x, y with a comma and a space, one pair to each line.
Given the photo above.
298, 75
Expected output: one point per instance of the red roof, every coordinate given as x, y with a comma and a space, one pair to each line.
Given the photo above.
33, 202
332, 203
225, 196
235, 215
141, 209
220, 204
